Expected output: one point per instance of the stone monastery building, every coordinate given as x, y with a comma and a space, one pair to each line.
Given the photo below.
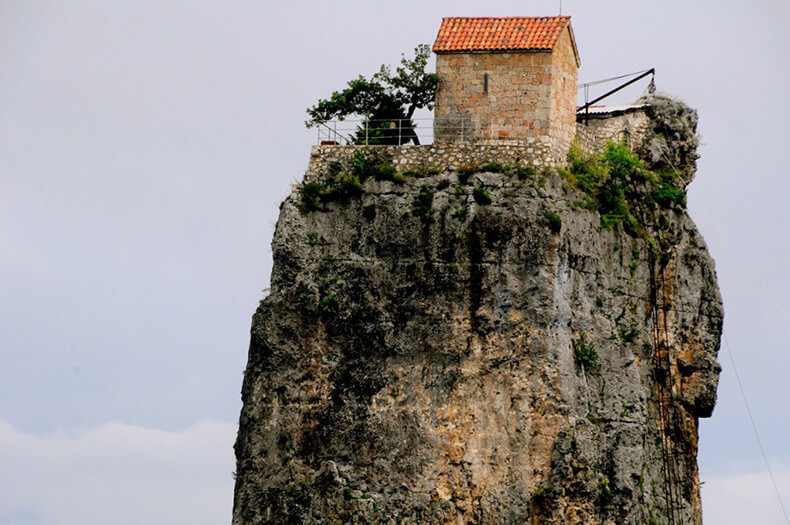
507, 93
507, 78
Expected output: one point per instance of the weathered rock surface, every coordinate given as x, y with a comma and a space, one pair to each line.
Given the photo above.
403, 371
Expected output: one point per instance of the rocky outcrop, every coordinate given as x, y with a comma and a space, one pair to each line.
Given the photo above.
476, 347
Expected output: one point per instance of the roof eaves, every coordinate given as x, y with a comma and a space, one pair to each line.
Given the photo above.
573, 44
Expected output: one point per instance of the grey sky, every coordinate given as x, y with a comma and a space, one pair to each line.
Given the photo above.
145, 147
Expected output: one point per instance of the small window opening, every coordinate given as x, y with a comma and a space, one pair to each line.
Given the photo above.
485, 82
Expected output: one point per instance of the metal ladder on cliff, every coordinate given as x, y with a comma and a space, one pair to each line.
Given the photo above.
669, 421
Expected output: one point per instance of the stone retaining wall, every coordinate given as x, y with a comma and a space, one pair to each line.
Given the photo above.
631, 125
537, 152
438, 157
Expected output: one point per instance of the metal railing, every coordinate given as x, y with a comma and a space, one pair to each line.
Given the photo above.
376, 131
461, 128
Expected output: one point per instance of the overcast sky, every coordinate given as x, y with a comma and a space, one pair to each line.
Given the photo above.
145, 147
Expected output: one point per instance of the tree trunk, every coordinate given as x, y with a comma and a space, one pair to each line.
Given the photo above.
410, 134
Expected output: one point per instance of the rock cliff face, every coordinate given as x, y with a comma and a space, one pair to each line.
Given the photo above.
476, 347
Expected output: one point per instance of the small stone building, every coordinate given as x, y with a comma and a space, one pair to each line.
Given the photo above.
510, 79
600, 124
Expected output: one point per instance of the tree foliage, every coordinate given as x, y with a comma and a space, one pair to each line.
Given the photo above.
386, 101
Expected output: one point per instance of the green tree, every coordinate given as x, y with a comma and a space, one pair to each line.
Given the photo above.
387, 101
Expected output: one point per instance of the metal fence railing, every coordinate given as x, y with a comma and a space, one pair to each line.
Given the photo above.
376, 131
461, 128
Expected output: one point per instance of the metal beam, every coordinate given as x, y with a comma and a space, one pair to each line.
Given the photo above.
650, 71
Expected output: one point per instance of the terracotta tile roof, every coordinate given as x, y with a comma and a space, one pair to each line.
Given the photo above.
518, 33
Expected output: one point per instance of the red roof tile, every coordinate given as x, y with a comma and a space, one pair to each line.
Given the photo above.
517, 33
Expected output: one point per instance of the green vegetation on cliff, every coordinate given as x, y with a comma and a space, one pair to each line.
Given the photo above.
617, 185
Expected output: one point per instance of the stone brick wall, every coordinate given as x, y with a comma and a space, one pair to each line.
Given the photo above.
564, 80
441, 157
630, 125
516, 106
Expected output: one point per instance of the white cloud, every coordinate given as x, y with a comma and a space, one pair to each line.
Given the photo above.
117, 473
745, 498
